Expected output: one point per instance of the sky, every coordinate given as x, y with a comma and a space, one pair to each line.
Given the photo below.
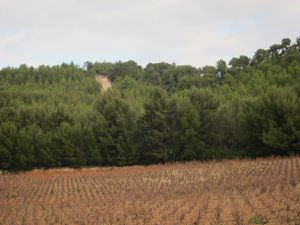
194, 32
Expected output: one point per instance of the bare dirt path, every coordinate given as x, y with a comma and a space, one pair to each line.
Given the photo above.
104, 81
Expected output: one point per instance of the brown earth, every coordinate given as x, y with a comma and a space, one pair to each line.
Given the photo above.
236, 192
104, 81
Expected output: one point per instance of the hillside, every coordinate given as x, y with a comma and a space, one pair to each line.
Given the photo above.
57, 116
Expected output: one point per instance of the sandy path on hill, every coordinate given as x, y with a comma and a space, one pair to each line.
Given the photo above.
104, 82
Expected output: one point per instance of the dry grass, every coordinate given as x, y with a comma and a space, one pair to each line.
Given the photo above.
264, 191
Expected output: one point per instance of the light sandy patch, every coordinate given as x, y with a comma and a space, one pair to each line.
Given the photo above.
104, 82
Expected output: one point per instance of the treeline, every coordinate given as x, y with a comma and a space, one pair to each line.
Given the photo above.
56, 116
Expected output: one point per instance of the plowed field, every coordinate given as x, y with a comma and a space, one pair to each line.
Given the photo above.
263, 191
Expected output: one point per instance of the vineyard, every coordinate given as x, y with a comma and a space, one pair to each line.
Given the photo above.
262, 191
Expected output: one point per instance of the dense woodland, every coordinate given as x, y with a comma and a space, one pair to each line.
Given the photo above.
54, 116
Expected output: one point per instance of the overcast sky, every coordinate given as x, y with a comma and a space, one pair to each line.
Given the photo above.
196, 32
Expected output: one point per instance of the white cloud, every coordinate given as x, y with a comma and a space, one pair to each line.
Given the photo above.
181, 31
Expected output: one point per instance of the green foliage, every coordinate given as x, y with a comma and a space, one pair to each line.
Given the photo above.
185, 123
275, 120
258, 219
116, 70
8, 137
206, 104
57, 116
154, 129
115, 135
221, 68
